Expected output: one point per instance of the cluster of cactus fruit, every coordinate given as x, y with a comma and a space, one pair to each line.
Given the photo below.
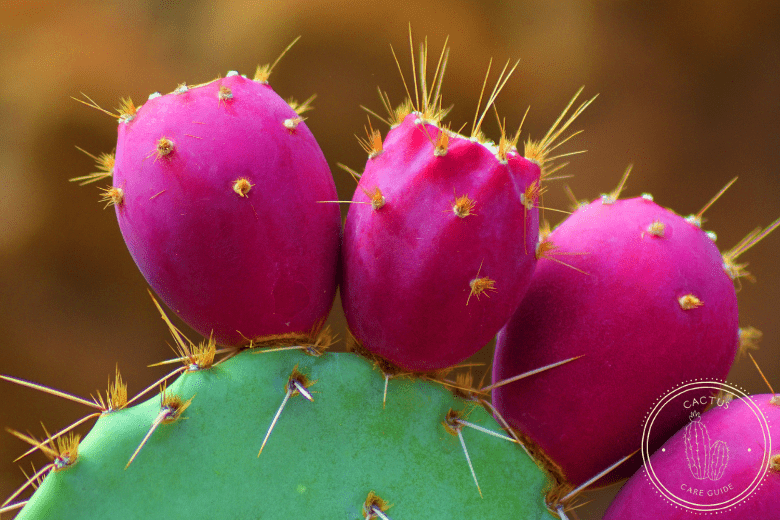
229, 209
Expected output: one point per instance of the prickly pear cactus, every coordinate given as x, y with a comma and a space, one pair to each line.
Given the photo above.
227, 206
332, 449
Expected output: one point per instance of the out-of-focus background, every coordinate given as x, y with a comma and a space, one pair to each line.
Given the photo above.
689, 93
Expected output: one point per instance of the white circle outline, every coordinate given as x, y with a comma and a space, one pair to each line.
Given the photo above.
695, 385
709, 507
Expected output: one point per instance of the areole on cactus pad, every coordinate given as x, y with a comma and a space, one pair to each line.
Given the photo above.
215, 188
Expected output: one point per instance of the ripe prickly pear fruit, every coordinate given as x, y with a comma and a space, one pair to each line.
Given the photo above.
216, 190
744, 476
434, 271
642, 294
332, 450
439, 241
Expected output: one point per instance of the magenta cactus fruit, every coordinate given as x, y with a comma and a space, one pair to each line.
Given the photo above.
643, 296
216, 190
439, 241
434, 267
744, 476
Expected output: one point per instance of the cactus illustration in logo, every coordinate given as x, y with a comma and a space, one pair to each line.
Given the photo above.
705, 460
697, 447
719, 459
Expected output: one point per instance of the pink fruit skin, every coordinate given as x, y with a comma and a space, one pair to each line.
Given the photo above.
624, 318
407, 266
737, 428
237, 267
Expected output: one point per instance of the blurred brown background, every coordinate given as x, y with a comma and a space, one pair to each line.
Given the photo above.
689, 92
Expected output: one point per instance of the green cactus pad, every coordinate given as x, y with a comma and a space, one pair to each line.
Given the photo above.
321, 460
